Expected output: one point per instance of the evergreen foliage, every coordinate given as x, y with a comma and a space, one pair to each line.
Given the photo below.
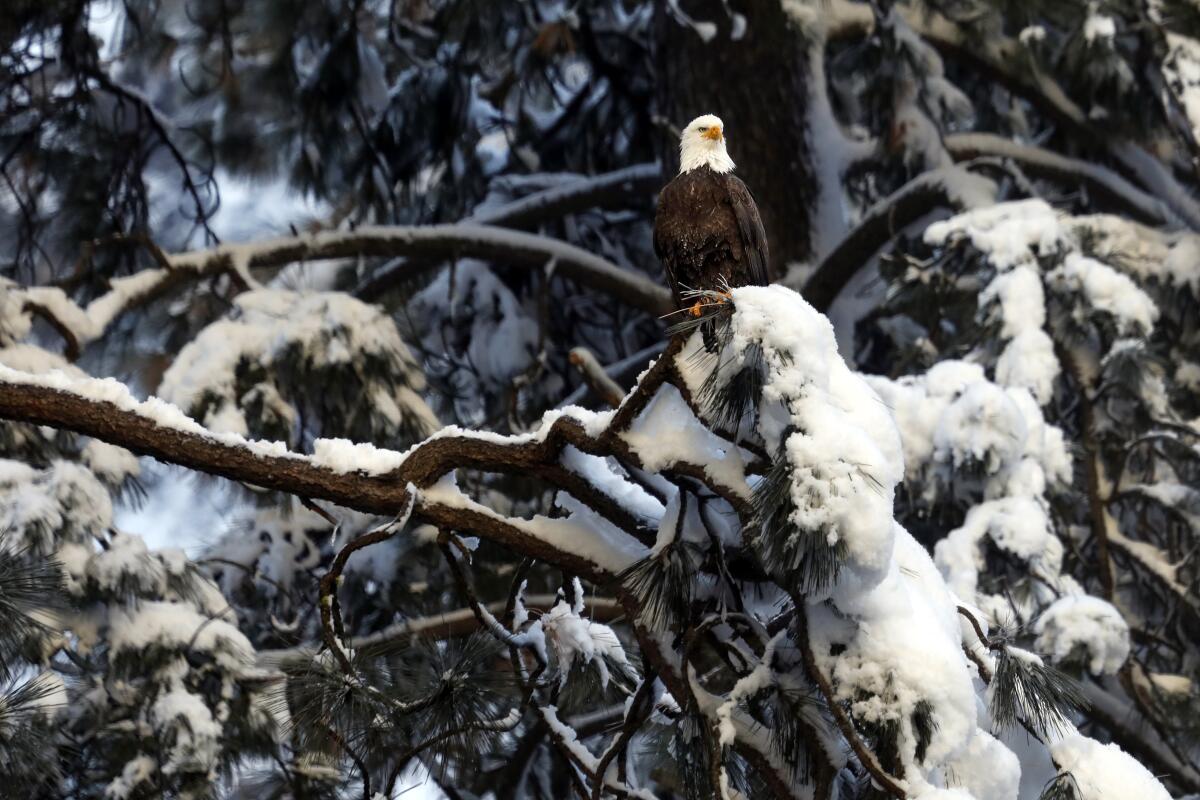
941, 545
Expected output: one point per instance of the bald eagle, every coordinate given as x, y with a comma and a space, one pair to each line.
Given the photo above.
707, 231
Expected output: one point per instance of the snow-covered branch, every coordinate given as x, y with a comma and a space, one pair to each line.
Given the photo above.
1039, 161
441, 242
1004, 58
581, 194
952, 188
359, 477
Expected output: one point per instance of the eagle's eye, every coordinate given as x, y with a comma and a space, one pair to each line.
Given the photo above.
702, 128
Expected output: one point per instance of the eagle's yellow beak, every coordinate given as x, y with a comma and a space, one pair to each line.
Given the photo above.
715, 133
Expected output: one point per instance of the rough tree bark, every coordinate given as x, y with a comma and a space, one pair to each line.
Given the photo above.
758, 85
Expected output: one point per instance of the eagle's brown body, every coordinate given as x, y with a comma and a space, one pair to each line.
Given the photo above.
708, 234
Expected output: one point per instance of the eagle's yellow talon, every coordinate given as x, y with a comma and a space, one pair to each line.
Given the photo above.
696, 309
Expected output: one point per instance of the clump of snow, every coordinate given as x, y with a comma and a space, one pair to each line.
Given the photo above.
1009, 233
902, 654
1107, 290
111, 464
952, 417
1150, 254
43, 509
840, 442
273, 332
666, 433
1018, 526
1028, 360
1087, 624
178, 626
15, 321
1032, 34
127, 565
1099, 28
137, 771
985, 769
344, 456
1105, 771
575, 639
185, 724
468, 310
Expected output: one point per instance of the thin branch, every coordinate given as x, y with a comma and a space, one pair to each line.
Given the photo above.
1101, 521
434, 243
448, 625
595, 377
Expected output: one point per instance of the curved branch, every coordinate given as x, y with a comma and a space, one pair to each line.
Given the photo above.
1048, 164
439, 242
865, 756
594, 376
1006, 60
27, 398
601, 191
71, 343
437, 627
923, 194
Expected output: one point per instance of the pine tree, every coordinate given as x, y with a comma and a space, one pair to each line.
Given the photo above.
922, 526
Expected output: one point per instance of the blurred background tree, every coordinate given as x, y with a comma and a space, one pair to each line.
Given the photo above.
1055, 140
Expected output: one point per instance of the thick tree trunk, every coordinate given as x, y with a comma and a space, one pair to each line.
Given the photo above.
757, 85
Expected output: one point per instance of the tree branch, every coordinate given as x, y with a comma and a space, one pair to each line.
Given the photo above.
586, 192
432, 243
1006, 60
1045, 163
923, 194
437, 627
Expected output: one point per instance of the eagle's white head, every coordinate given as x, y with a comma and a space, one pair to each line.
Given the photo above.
703, 145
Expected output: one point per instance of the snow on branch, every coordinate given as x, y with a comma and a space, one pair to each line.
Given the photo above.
479, 236
358, 477
999, 57
952, 188
1039, 161
571, 197
459, 241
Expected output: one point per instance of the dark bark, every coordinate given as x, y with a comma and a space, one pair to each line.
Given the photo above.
758, 86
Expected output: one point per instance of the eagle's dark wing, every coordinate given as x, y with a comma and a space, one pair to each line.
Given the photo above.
754, 237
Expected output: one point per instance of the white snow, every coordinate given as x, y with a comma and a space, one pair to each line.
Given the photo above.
1088, 623
186, 725
344, 456
1107, 290
574, 638
903, 648
840, 440
1099, 28
666, 432
137, 770
270, 326
1009, 233
1105, 771
177, 626
1019, 526
953, 415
